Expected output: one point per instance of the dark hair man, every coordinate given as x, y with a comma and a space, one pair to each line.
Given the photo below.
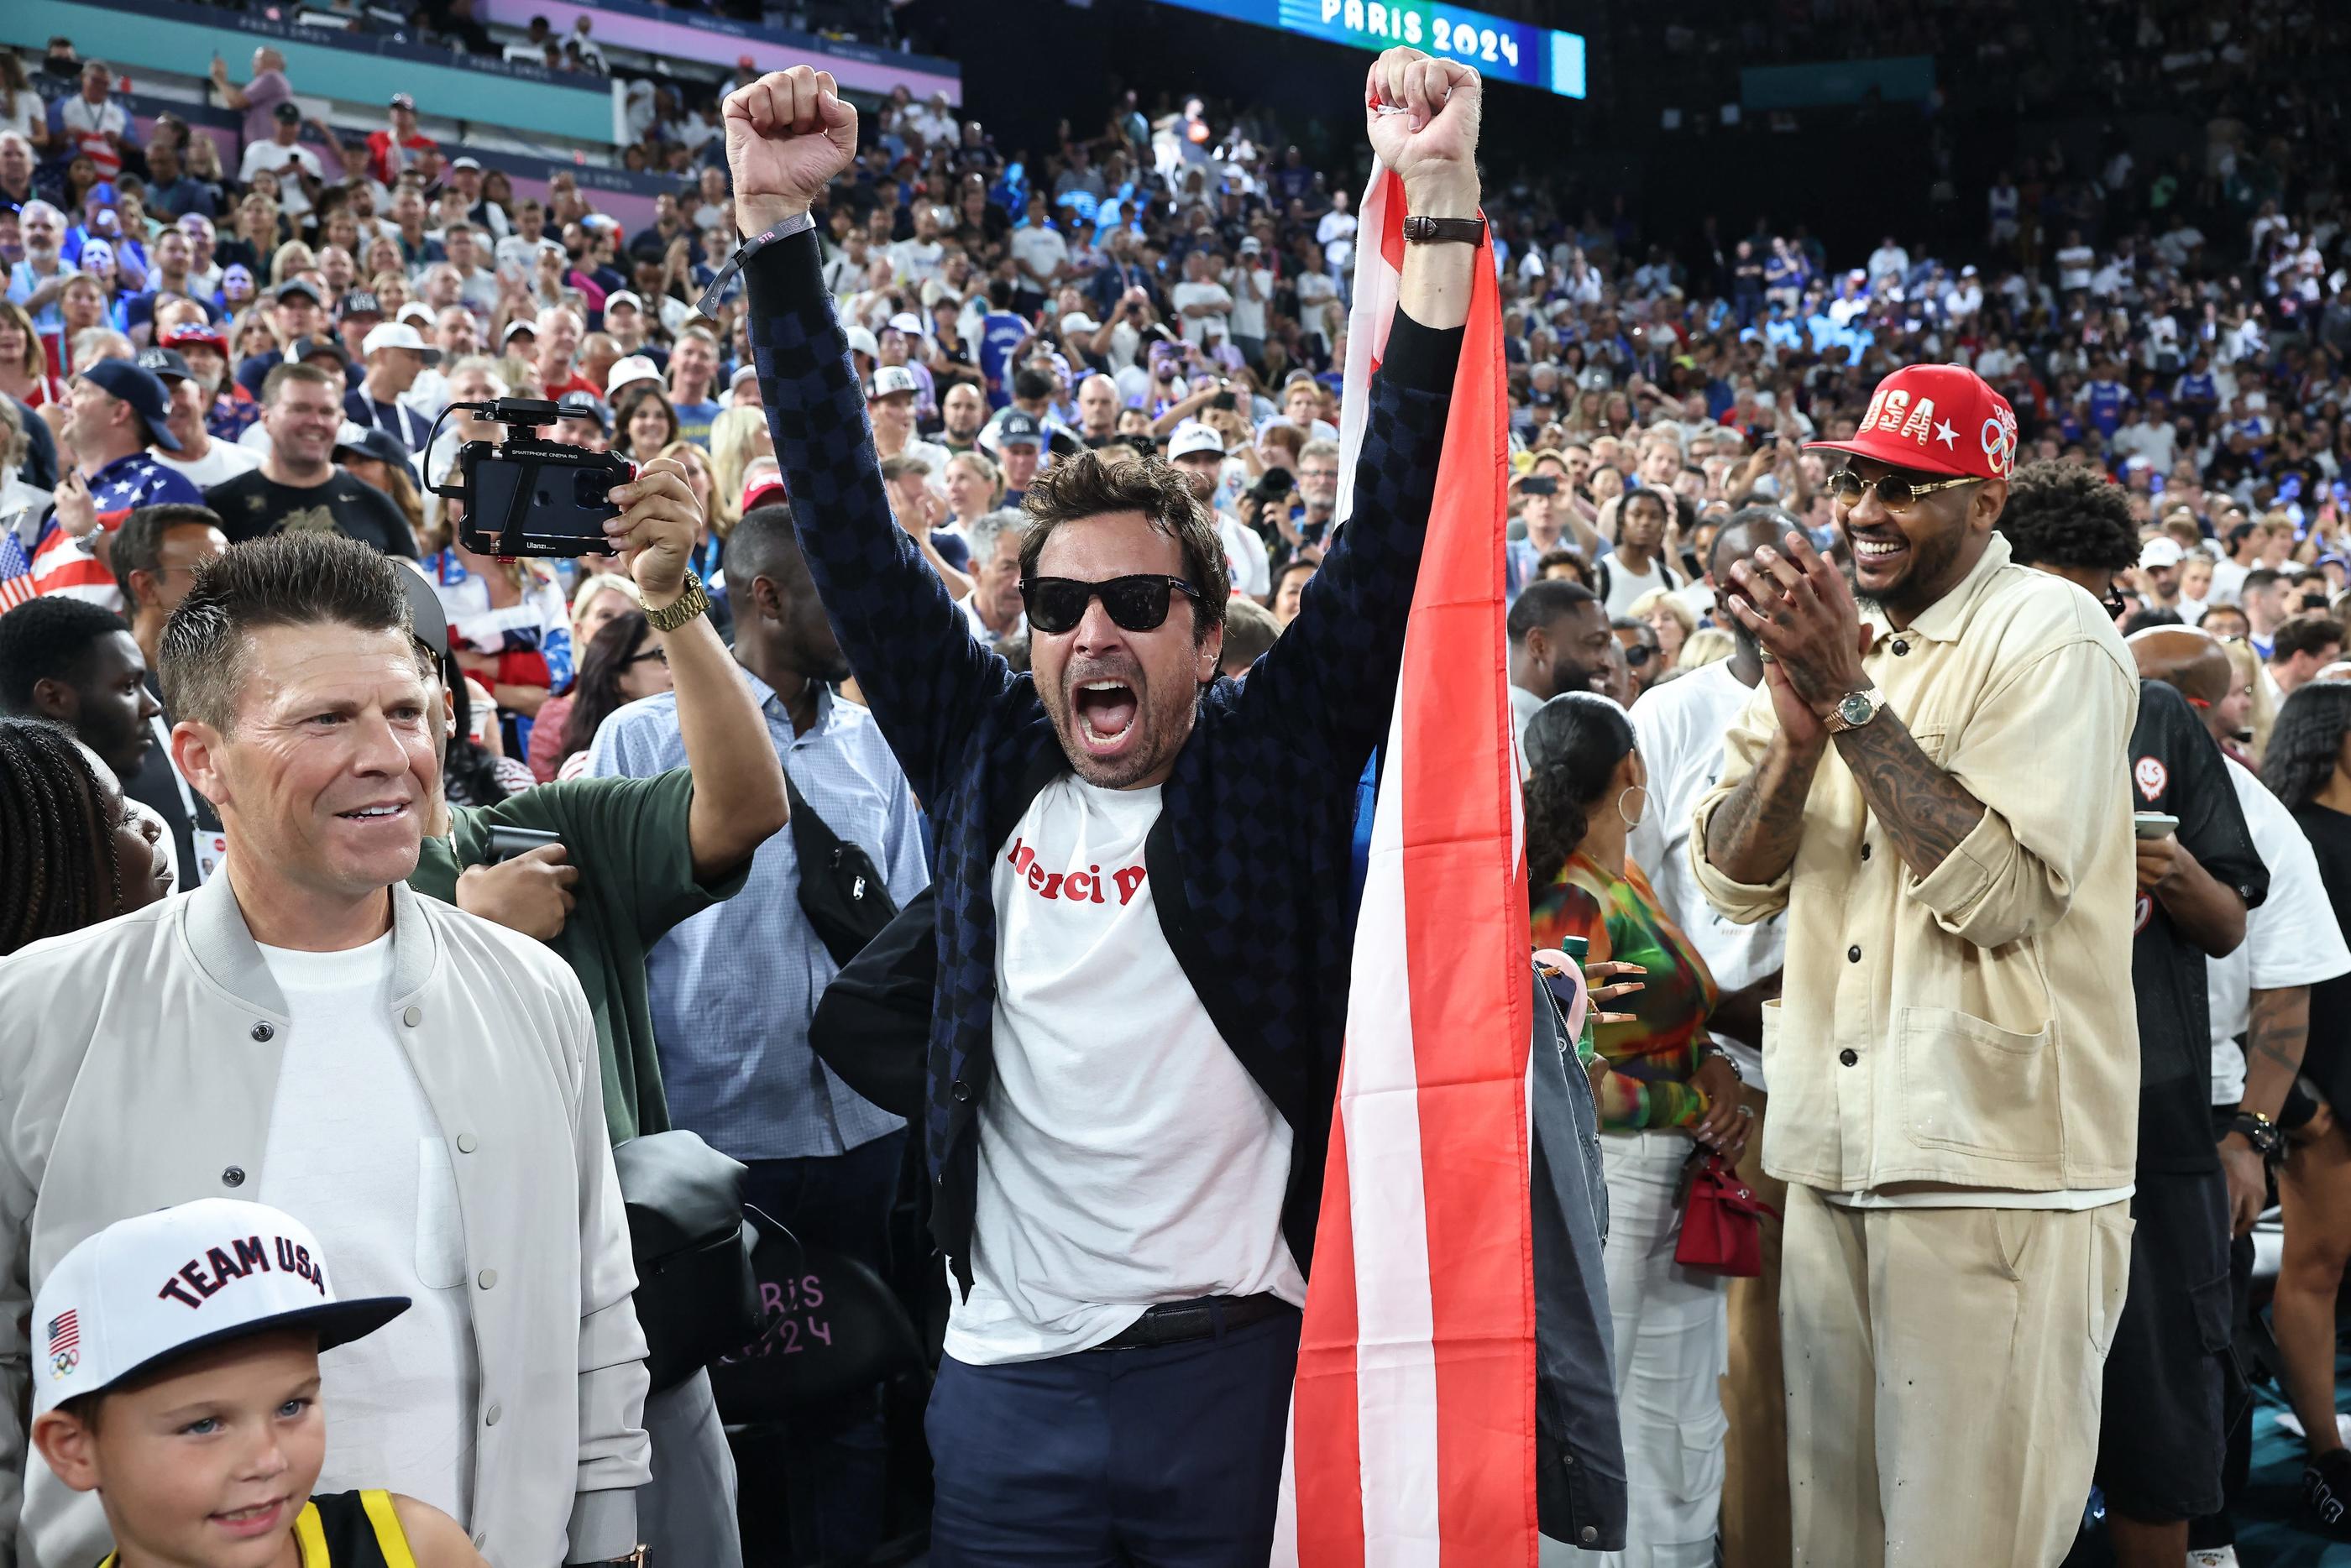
414, 1084
1559, 642
636, 858
1127, 1118
2162, 1424
1679, 726
297, 489
1935, 773
2302, 646
2263, 599
1638, 639
155, 556
1638, 563
76, 664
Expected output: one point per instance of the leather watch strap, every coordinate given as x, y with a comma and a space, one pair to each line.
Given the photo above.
1437, 231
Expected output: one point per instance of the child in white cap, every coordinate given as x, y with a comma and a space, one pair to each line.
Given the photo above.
175, 1373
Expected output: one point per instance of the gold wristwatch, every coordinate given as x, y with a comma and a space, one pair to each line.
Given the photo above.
683, 608
1853, 710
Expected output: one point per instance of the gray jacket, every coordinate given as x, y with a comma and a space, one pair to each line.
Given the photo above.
1579, 1451
140, 1072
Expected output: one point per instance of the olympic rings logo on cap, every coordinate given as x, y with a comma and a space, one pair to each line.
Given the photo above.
2000, 442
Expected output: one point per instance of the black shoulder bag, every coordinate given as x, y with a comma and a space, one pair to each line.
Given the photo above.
842, 891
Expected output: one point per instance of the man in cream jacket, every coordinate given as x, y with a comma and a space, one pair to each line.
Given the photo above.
418, 1085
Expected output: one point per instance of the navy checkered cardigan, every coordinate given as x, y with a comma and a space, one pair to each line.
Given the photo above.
1250, 860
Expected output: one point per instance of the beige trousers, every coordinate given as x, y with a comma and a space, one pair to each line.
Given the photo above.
1944, 1369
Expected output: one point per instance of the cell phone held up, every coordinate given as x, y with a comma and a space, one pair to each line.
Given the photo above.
533, 497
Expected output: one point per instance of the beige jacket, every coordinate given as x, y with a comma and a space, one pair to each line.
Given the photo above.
137, 1071
1976, 1027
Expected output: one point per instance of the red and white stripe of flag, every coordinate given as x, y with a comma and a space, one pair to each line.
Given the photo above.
1412, 1439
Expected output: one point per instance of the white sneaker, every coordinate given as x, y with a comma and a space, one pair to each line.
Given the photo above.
2213, 1557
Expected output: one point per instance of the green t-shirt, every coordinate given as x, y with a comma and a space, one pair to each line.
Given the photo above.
628, 838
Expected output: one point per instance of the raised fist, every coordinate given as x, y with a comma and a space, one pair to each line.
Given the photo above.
1421, 113
788, 134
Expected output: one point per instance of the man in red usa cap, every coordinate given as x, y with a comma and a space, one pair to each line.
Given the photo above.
1932, 784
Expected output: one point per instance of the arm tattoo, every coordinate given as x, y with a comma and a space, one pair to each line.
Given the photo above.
1925, 810
2280, 1030
1753, 836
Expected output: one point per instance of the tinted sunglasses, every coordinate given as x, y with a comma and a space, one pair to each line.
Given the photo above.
1895, 492
1056, 605
1636, 654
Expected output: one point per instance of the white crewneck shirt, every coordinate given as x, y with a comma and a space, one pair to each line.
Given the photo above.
355, 1153
1126, 1158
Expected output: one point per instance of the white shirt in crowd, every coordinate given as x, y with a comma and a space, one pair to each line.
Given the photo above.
1627, 585
1198, 328
2291, 940
355, 1153
222, 461
1126, 1156
1245, 555
2073, 264
1679, 727
1040, 251
292, 200
1248, 308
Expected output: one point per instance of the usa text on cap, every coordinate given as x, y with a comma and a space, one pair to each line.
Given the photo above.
1937, 418
150, 1289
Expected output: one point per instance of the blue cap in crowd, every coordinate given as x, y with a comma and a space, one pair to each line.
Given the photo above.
139, 388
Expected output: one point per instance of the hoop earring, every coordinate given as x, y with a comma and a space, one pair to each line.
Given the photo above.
1630, 820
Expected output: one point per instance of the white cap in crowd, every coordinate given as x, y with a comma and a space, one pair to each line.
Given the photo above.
399, 334
1192, 436
623, 296
154, 1287
2160, 552
627, 368
891, 379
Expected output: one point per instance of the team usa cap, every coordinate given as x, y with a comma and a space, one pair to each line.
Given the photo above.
151, 1289
1937, 418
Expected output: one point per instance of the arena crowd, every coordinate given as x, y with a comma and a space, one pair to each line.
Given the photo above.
239, 383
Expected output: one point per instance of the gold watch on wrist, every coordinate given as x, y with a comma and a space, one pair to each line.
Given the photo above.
1853, 710
688, 604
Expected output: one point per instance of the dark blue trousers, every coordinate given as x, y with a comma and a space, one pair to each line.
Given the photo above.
1168, 1458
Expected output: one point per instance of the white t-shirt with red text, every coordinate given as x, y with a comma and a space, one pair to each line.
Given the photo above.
1126, 1158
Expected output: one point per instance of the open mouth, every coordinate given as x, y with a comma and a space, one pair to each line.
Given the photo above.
387, 811
1875, 555
258, 1520
1105, 711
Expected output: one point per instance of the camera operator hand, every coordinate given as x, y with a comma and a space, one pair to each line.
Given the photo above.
654, 535
530, 893
788, 134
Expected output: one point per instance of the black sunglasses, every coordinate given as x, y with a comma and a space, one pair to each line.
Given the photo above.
1056, 605
1636, 654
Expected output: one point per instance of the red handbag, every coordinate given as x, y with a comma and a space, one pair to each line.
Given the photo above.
1722, 1220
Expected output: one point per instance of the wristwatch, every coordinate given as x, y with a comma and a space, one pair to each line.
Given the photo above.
1853, 710
683, 608
2259, 1131
1463, 231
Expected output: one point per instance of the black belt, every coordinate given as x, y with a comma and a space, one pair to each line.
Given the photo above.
1175, 1323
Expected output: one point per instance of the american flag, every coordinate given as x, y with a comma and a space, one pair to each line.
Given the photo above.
16, 567
65, 1333
1412, 1438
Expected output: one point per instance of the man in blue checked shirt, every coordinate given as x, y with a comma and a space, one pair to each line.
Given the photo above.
732, 988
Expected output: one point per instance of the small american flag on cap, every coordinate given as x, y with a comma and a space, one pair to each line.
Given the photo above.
65, 1333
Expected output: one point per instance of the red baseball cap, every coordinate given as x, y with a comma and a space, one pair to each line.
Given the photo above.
766, 488
1942, 419
188, 332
